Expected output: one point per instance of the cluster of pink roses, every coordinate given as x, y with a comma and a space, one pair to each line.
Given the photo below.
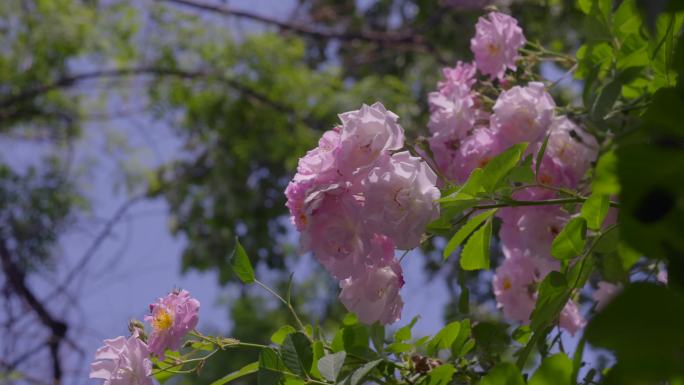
355, 198
126, 361
466, 136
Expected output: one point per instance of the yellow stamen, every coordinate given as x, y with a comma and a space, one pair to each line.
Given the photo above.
506, 283
162, 320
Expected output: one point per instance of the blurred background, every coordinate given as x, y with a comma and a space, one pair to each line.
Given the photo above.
139, 138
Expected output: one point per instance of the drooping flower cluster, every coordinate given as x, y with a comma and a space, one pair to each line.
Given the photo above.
355, 199
467, 135
127, 361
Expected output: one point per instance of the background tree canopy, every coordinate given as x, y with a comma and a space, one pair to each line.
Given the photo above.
245, 94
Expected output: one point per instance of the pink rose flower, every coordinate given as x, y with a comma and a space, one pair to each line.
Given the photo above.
321, 163
515, 286
522, 114
463, 75
531, 230
172, 318
365, 135
123, 361
453, 114
401, 198
374, 296
569, 153
570, 318
496, 43
336, 234
605, 293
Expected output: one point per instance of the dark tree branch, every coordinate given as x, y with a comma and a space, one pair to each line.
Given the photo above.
16, 278
72, 80
381, 38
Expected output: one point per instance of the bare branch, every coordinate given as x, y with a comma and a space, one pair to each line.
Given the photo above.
16, 277
382, 38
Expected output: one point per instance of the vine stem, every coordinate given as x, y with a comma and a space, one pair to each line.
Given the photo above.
287, 303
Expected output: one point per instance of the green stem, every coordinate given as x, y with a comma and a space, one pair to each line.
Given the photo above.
288, 304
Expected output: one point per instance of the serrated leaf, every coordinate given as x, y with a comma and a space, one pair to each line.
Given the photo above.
522, 334
595, 209
270, 367
441, 375
500, 166
503, 374
569, 243
605, 100
554, 370
399, 347
279, 336
540, 156
318, 353
330, 365
444, 338
241, 264
404, 332
245, 370
363, 371
297, 353
552, 297
475, 254
465, 231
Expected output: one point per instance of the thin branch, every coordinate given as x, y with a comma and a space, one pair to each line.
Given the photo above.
72, 80
382, 38
16, 278
90, 252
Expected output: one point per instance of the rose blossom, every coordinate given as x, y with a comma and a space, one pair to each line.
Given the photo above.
452, 114
401, 198
571, 150
605, 293
172, 318
365, 135
523, 114
374, 296
496, 43
461, 76
336, 234
123, 361
531, 229
516, 284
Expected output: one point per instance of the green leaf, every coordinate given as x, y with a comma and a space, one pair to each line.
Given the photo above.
465, 231
330, 366
462, 338
444, 338
554, 370
355, 339
279, 336
318, 353
552, 297
441, 375
399, 347
377, 334
522, 334
241, 264
358, 375
569, 243
643, 327
297, 353
605, 100
605, 177
404, 332
491, 337
504, 373
475, 254
270, 367
497, 169
247, 369
540, 156
595, 209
